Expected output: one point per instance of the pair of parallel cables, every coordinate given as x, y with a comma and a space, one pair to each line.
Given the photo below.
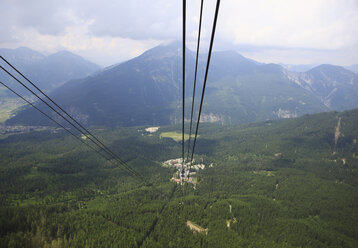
195, 79
98, 147
103, 148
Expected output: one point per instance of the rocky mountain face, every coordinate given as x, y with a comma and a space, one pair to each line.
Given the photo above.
147, 91
335, 86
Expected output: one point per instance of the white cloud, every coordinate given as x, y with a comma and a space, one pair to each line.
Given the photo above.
318, 24
316, 31
105, 50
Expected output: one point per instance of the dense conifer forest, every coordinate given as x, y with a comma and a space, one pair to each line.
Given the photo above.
287, 183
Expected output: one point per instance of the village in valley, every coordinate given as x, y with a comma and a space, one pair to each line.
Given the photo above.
186, 172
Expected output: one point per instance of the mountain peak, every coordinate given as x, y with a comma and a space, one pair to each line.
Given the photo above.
164, 50
68, 59
337, 73
51, 71
172, 43
327, 67
25, 49
232, 55
21, 55
65, 54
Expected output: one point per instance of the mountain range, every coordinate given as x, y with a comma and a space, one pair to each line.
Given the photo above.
285, 183
49, 72
146, 90
336, 86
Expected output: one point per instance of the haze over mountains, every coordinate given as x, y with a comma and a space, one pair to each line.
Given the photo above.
49, 72
336, 86
353, 68
298, 68
146, 91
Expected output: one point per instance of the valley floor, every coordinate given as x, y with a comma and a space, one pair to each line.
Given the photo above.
290, 183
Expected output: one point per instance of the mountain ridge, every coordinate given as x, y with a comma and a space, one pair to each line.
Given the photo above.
146, 91
48, 72
334, 85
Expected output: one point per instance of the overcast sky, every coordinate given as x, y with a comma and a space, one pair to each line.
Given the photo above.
108, 32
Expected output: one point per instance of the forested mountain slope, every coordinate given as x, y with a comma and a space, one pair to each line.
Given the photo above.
336, 86
286, 183
146, 91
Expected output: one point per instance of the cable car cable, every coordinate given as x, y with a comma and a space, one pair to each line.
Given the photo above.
79, 124
206, 74
195, 77
66, 129
123, 164
183, 112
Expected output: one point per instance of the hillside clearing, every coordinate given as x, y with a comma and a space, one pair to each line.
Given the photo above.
175, 136
196, 228
8, 107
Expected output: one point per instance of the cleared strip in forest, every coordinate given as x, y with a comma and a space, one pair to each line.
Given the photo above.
196, 227
152, 227
337, 133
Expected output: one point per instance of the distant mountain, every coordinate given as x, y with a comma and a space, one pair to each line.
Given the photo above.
147, 89
254, 92
21, 56
353, 68
336, 86
298, 68
48, 72
141, 91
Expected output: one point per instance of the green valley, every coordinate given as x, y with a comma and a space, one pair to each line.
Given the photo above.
285, 183
8, 106
178, 124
